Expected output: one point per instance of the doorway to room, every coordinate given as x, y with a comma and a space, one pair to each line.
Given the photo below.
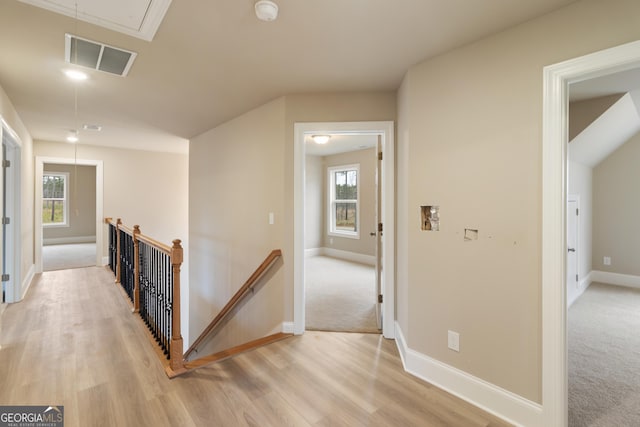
557, 79
341, 212
341, 239
75, 186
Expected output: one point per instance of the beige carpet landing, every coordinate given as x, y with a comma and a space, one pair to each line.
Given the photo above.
604, 358
340, 296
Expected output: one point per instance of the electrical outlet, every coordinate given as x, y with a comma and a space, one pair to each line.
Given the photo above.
607, 260
453, 341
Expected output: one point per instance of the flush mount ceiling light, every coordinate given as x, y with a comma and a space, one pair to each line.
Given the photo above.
321, 139
73, 136
266, 10
92, 127
75, 74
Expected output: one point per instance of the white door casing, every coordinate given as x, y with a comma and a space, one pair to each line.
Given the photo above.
386, 132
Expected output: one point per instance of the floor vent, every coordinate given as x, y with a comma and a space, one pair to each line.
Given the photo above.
98, 56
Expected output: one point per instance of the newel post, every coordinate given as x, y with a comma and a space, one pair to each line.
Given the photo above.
176, 359
136, 269
118, 266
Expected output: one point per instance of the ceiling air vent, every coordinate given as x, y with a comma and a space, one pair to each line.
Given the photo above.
98, 56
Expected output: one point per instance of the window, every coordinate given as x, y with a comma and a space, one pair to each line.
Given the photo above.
343, 201
54, 198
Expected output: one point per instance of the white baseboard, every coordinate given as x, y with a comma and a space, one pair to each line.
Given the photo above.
313, 252
489, 397
69, 240
26, 283
615, 279
348, 256
287, 327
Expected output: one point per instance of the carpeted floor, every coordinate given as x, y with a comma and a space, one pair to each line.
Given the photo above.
604, 357
340, 296
62, 257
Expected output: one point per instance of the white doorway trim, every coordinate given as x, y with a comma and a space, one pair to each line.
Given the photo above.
556, 80
40, 161
15, 287
386, 131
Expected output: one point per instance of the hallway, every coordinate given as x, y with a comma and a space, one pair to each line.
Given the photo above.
74, 342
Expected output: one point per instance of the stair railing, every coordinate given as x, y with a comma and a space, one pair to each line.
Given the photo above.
149, 273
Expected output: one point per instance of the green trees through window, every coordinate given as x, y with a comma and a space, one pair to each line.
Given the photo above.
54, 198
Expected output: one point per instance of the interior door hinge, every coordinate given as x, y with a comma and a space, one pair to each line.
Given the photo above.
577, 211
379, 299
380, 155
576, 277
6, 163
6, 277
6, 220
379, 227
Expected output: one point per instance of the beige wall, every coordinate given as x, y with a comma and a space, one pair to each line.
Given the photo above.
473, 125
146, 188
26, 233
314, 202
81, 204
616, 209
236, 180
367, 160
247, 164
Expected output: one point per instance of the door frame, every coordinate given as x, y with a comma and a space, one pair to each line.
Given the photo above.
386, 131
13, 198
39, 171
556, 80
576, 283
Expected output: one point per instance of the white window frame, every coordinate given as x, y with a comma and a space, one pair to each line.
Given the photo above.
331, 219
65, 222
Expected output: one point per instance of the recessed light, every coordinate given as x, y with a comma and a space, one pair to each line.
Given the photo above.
73, 136
321, 139
76, 75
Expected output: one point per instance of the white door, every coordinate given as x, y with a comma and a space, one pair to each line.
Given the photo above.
572, 246
378, 235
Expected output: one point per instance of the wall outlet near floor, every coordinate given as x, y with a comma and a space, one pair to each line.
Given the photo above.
453, 341
607, 260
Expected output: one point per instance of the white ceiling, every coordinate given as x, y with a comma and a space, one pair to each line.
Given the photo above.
340, 144
622, 82
210, 61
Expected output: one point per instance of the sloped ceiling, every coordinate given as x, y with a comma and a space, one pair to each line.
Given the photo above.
608, 132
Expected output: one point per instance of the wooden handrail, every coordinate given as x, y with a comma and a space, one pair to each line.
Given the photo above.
237, 297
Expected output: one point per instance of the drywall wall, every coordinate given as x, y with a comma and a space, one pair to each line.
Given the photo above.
581, 185
364, 244
314, 202
486, 174
143, 188
247, 163
616, 209
81, 194
236, 180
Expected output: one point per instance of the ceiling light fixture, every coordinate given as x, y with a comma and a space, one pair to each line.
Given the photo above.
73, 136
321, 139
266, 10
76, 75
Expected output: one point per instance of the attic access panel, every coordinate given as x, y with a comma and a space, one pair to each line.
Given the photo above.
137, 18
97, 56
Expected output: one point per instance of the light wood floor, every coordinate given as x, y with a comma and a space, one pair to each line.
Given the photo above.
74, 342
